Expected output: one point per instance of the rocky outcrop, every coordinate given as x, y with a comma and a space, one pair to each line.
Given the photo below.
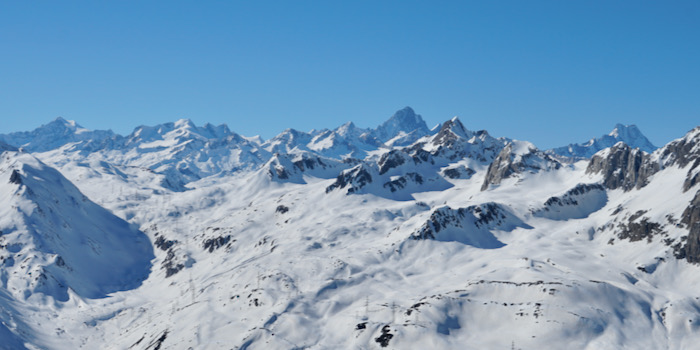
691, 218
353, 179
212, 244
15, 177
515, 158
293, 167
638, 228
684, 152
471, 225
401, 182
576, 203
458, 172
391, 160
623, 167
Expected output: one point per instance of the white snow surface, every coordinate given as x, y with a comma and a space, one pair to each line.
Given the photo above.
266, 247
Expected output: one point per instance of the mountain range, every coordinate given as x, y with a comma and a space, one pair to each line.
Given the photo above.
400, 236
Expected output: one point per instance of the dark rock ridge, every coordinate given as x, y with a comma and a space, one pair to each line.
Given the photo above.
402, 181
470, 225
15, 177
638, 228
212, 244
354, 179
458, 172
292, 167
623, 167
576, 203
684, 152
509, 163
691, 218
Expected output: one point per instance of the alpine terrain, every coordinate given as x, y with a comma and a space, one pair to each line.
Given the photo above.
180, 236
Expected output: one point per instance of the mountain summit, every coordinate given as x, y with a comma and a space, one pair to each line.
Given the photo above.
403, 123
629, 134
53, 135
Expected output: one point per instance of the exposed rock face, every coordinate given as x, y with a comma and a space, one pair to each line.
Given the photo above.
684, 152
292, 167
391, 160
638, 228
470, 225
691, 214
215, 243
692, 247
515, 158
691, 218
451, 132
15, 177
576, 203
354, 179
401, 182
623, 167
458, 172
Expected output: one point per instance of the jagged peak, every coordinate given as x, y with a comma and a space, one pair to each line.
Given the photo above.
455, 127
346, 129
62, 123
405, 121
628, 132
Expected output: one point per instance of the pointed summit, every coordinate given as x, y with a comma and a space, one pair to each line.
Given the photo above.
405, 121
629, 134
453, 128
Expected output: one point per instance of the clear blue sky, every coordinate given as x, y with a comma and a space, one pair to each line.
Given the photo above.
551, 72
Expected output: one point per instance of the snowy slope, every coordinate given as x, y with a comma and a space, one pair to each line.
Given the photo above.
456, 240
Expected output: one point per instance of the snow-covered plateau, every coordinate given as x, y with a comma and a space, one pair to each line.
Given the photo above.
179, 236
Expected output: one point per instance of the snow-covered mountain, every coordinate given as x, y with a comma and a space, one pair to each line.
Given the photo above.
629, 134
55, 239
53, 135
178, 236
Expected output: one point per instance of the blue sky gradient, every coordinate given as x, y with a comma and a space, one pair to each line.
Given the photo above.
550, 72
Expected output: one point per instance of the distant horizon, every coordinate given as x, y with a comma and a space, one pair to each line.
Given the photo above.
545, 71
202, 124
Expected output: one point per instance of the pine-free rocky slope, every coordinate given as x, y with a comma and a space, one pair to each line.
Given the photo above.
178, 236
